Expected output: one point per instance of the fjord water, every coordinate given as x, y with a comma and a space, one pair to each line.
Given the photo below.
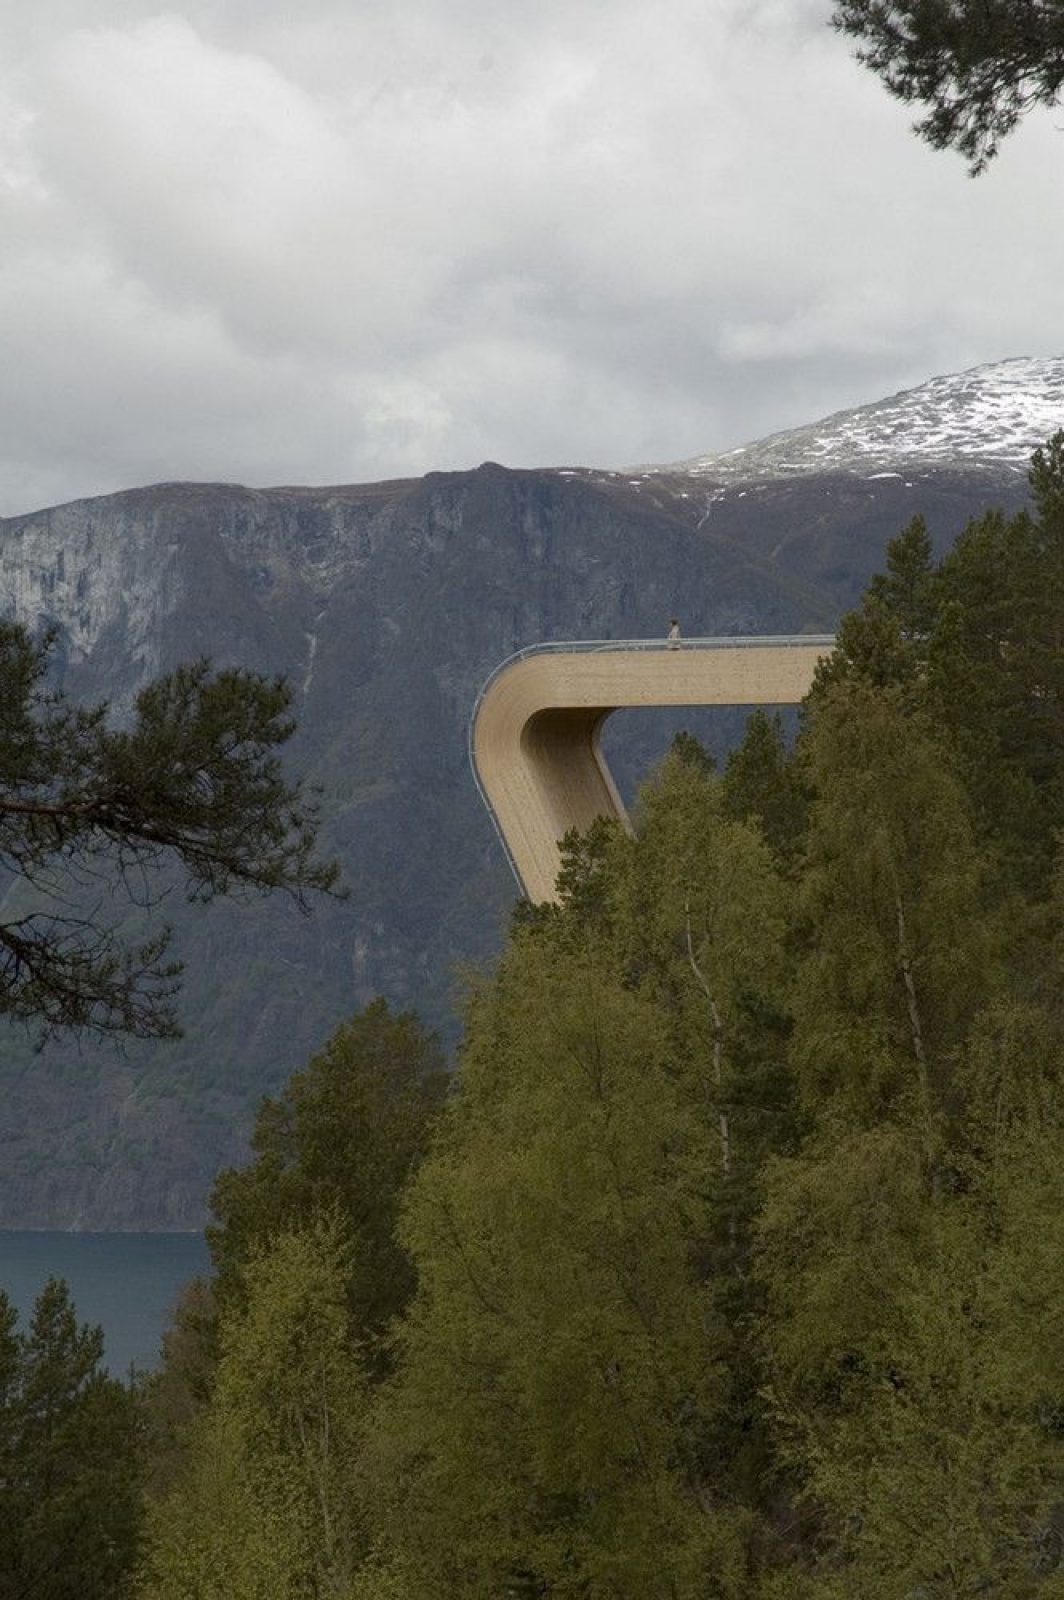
127, 1282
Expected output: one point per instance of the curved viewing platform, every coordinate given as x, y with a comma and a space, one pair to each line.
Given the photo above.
535, 729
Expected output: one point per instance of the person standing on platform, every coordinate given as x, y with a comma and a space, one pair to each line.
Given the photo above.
673, 637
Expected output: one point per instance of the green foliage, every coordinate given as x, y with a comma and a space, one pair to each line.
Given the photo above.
686, 748
996, 668
69, 1467
173, 1396
705, 912
907, 588
342, 1136
900, 948
976, 65
193, 783
583, 882
762, 785
558, 1365
265, 1509
977, 645
908, 1312
702, 911
573, 1413
884, 642
914, 1334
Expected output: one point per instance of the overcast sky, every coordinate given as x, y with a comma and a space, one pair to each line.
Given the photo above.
348, 239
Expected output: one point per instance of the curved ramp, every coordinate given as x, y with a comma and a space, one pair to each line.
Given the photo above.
534, 735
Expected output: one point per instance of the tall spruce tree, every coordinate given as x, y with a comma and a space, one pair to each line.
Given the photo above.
762, 784
69, 1490
343, 1135
996, 670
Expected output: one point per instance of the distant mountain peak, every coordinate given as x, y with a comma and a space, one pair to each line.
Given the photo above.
989, 417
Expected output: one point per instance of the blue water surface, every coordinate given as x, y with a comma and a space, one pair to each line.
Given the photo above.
127, 1282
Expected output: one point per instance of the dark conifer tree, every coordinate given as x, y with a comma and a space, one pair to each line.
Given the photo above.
761, 783
343, 1135
69, 1500
996, 669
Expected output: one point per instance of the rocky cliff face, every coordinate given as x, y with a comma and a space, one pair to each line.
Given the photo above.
386, 605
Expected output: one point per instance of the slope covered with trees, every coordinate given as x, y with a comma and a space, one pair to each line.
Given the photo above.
730, 1269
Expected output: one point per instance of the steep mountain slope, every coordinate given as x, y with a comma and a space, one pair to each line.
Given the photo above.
819, 502
386, 605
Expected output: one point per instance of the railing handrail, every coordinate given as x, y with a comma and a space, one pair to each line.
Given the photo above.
776, 641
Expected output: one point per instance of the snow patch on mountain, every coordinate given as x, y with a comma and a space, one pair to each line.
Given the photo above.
991, 416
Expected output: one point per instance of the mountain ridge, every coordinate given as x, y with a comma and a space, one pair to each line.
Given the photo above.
386, 605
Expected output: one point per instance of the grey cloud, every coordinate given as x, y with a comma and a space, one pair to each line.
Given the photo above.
247, 242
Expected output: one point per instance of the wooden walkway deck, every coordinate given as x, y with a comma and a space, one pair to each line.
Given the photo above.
534, 735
